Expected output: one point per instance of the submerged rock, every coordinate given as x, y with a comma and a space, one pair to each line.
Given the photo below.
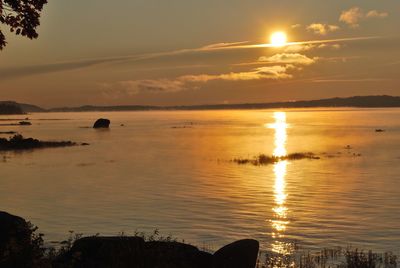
239, 254
24, 123
102, 123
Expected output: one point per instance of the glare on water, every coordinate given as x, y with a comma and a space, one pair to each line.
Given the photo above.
172, 171
280, 218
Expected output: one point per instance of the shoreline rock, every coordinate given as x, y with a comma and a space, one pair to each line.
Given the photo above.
20, 247
19, 143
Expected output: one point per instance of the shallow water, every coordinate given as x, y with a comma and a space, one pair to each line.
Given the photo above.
172, 171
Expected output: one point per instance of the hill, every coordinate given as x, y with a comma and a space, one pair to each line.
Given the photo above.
356, 101
10, 107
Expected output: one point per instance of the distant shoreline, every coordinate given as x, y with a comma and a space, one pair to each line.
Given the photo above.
382, 101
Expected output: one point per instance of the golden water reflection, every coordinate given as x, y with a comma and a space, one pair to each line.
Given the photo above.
280, 219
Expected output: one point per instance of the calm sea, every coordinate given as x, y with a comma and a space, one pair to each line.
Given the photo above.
172, 171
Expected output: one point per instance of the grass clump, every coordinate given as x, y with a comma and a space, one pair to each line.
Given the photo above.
263, 159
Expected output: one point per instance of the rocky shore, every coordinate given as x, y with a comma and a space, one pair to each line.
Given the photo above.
20, 246
18, 143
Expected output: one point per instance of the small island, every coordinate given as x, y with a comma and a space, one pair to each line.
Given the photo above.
18, 143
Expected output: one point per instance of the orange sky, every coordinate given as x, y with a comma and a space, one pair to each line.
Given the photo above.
201, 52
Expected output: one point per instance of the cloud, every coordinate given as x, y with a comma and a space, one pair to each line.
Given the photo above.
376, 14
187, 82
298, 48
22, 71
265, 72
8, 73
289, 58
351, 16
295, 26
350, 80
152, 86
354, 15
223, 45
331, 46
322, 29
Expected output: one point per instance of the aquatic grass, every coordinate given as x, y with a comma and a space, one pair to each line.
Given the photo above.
263, 159
330, 257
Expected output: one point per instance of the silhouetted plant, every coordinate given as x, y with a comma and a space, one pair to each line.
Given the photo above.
22, 16
67, 244
332, 258
263, 159
155, 236
25, 250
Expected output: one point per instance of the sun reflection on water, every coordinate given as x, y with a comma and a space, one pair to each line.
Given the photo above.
280, 219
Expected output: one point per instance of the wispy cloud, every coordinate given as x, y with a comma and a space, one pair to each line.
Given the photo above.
289, 58
12, 73
354, 15
376, 14
185, 82
8, 73
350, 80
322, 29
307, 47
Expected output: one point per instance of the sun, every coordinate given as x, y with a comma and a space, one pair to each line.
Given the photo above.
278, 39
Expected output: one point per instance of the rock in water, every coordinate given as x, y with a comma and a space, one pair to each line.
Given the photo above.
25, 123
240, 254
102, 123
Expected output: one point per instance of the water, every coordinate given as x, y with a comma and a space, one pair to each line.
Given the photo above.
148, 174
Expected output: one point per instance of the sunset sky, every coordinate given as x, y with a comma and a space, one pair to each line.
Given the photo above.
178, 52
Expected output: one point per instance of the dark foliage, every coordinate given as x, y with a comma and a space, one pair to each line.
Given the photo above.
20, 244
22, 16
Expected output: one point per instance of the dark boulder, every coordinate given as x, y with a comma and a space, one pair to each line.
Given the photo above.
19, 246
102, 123
132, 252
240, 254
161, 254
104, 252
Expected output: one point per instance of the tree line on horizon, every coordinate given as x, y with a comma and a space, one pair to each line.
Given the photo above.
357, 101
